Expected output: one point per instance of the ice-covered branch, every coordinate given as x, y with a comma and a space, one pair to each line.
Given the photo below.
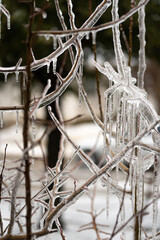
7, 14
142, 60
84, 29
104, 170
37, 104
120, 62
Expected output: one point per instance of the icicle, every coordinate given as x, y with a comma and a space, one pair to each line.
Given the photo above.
2, 124
33, 128
118, 121
5, 76
44, 14
17, 116
47, 36
129, 121
79, 81
87, 35
48, 66
106, 147
94, 38
54, 37
116, 40
124, 118
110, 83
8, 22
139, 182
107, 198
118, 129
133, 183
7, 14
54, 65
140, 169
17, 76
142, 61
155, 196
33, 135
110, 122
148, 111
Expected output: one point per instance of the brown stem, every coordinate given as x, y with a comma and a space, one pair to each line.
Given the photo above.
26, 123
90, 7
93, 215
1, 181
136, 226
98, 83
97, 73
130, 34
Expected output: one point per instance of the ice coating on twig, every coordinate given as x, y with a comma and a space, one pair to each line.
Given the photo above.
7, 14
116, 40
155, 195
142, 60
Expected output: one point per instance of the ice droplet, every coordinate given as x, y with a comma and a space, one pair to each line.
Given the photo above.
47, 37
87, 35
17, 76
94, 38
5, 76
54, 41
48, 66
54, 65
8, 22
44, 15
